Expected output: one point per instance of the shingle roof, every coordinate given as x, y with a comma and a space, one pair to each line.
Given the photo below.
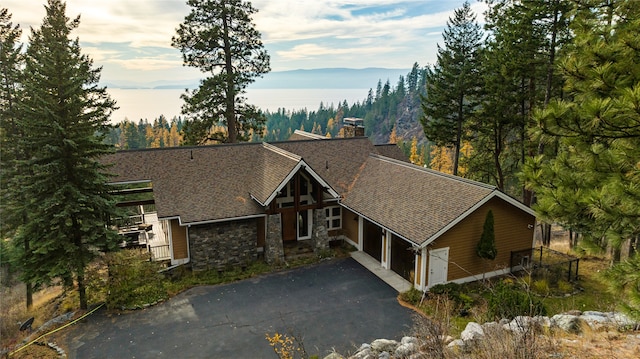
412, 201
336, 160
391, 150
208, 182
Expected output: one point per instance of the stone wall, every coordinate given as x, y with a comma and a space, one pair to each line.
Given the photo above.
273, 249
225, 244
319, 234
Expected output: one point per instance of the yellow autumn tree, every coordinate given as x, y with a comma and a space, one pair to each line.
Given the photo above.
415, 158
465, 155
441, 159
393, 137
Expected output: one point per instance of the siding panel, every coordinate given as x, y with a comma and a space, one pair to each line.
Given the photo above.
511, 231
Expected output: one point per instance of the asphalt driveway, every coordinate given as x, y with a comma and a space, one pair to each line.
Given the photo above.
337, 304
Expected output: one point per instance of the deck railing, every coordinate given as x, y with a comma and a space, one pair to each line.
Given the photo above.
160, 252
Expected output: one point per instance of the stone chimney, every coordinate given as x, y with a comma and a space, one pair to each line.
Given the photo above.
353, 127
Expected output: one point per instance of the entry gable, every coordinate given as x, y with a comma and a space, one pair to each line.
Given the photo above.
275, 178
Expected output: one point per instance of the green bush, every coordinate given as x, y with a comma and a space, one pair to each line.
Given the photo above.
453, 292
508, 301
540, 286
134, 280
412, 296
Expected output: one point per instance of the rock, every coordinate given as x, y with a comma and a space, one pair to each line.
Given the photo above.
446, 340
457, 345
364, 346
405, 350
334, 355
599, 320
472, 331
364, 353
384, 345
568, 323
407, 340
523, 324
384, 355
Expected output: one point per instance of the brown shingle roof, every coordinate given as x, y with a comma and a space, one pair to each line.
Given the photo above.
209, 182
336, 160
412, 201
391, 150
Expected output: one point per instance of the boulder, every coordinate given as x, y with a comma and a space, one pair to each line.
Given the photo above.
384, 355
384, 345
405, 350
473, 331
567, 322
334, 355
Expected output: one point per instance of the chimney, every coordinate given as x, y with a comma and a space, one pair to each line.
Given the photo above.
353, 127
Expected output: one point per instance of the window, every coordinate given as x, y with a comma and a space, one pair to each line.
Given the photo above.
334, 217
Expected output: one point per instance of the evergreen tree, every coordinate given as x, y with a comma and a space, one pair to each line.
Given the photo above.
61, 111
219, 38
592, 186
486, 248
453, 83
11, 217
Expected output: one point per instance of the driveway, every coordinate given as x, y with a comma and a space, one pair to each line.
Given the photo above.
336, 304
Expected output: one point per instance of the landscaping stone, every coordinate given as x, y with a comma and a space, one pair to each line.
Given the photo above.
473, 331
384, 355
384, 345
334, 355
405, 350
568, 323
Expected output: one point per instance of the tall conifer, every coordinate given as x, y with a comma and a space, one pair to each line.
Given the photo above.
63, 115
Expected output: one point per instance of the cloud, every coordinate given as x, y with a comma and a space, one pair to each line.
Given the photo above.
136, 35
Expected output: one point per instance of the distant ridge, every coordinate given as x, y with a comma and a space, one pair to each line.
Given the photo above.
327, 78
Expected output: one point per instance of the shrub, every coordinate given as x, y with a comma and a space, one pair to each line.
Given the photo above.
565, 287
541, 286
412, 296
134, 280
508, 301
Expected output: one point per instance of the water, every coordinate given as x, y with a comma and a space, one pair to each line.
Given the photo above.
136, 104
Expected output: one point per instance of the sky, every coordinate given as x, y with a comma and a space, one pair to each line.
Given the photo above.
131, 40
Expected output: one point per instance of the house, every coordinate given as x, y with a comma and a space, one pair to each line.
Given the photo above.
229, 205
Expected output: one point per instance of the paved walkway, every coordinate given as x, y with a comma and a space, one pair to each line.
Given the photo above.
336, 304
388, 276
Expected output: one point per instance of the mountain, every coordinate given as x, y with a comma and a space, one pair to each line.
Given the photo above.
328, 78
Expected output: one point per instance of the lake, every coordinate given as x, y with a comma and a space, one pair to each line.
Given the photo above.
136, 104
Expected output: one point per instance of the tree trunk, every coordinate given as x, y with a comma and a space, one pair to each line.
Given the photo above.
456, 158
29, 294
546, 234
230, 113
82, 291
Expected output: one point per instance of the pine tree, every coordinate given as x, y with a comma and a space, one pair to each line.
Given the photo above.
453, 83
12, 215
593, 185
219, 38
61, 112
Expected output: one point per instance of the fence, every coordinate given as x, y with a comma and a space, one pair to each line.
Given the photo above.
543, 259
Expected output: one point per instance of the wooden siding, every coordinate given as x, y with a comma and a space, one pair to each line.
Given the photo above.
511, 231
350, 225
178, 240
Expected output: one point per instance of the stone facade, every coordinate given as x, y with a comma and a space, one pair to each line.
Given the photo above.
273, 249
222, 245
319, 233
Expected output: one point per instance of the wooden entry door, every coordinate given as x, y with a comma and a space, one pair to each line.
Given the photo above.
289, 228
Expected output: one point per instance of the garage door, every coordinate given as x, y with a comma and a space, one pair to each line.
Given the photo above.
372, 240
402, 258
